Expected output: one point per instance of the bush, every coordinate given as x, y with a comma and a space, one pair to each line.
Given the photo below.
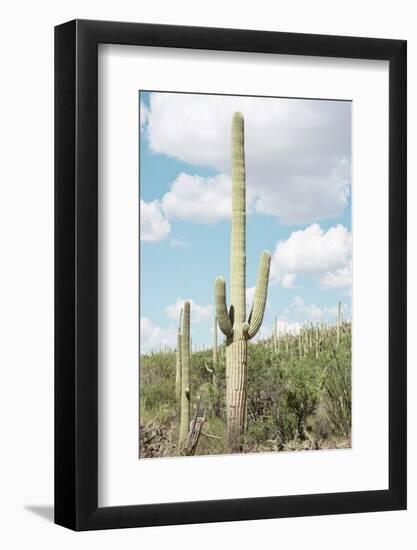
294, 400
337, 399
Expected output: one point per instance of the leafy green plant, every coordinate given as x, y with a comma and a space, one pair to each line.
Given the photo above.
292, 403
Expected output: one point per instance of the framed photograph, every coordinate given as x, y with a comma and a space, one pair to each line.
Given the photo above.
230, 255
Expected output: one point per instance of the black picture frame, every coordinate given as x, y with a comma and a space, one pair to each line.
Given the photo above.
76, 272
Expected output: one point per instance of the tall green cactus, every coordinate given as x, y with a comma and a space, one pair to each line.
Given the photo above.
215, 350
212, 369
178, 365
185, 376
233, 322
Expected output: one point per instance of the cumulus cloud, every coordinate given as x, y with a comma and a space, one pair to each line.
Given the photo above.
153, 337
297, 151
153, 224
301, 313
197, 312
197, 199
250, 293
340, 278
178, 243
288, 327
327, 254
306, 313
309, 197
287, 280
143, 116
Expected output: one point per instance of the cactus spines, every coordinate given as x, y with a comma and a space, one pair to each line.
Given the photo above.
212, 370
238, 234
261, 291
178, 365
221, 308
185, 375
215, 341
233, 322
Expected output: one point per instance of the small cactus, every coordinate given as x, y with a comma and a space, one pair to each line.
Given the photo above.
178, 365
185, 375
215, 351
233, 322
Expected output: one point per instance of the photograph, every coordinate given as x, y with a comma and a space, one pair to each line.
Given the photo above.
245, 274
209, 259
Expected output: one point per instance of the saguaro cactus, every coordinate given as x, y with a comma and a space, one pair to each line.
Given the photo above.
178, 365
212, 370
185, 375
215, 341
233, 322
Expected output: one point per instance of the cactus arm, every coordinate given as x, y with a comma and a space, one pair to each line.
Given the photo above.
208, 369
238, 235
223, 319
261, 292
185, 377
178, 369
215, 340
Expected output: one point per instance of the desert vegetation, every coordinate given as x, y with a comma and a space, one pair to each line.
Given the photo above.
298, 395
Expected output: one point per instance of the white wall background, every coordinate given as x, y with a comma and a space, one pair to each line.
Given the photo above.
26, 274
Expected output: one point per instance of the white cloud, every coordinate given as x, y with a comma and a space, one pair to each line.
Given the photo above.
340, 278
143, 115
297, 151
196, 199
287, 280
153, 225
301, 313
264, 332
153, 337
307, 312
314, 251
250, 293
288, 327
197, 312
309, 197
178, 243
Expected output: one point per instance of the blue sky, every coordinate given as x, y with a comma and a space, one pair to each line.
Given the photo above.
298, 155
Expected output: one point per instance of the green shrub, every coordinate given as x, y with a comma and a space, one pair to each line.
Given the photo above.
291, 400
